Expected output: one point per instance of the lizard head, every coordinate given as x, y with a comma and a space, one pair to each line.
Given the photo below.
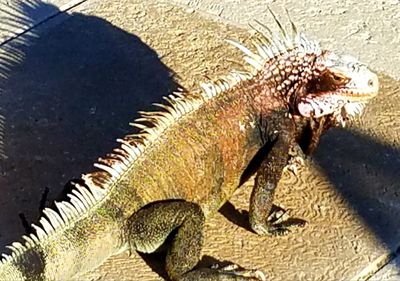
311, 82
340, 86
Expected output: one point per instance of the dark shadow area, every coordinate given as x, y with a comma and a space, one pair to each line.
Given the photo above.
17, 18
366, 173
66, 93
236, 216
156, 262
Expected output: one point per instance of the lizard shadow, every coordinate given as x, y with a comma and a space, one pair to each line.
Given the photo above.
366, 174
62, 90
236, 216
156, 261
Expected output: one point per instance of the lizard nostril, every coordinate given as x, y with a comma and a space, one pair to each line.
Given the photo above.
370, 83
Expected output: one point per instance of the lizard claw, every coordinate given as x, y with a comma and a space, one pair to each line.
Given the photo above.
282, 228
279, 223
296, 161
278, 214
295, 164
250, 274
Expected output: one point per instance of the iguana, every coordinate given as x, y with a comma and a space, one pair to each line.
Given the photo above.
190, 156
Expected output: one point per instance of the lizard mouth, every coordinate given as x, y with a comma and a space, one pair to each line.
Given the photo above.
335, 94
349, 92
342, 103
339, 107
355, 95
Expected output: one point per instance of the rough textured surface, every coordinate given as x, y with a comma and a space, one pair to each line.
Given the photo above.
348, 192
367, 29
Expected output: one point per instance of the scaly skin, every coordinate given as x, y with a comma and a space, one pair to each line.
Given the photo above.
203, 146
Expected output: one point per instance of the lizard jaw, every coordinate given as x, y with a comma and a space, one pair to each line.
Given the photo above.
341, 106
342, 99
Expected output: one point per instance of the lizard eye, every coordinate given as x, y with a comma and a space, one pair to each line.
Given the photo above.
371, 83
339, 79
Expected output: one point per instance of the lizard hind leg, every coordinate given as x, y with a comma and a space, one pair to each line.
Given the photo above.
150, 226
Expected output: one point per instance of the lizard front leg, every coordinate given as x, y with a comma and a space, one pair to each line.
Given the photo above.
263, 217
149, 228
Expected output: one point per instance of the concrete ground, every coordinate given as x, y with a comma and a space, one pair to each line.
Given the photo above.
71, 85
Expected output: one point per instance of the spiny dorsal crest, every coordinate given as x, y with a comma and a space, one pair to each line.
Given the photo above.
271, 45
97, 185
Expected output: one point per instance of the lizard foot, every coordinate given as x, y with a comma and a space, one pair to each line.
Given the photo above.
279, 223
284, 228
278, 215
